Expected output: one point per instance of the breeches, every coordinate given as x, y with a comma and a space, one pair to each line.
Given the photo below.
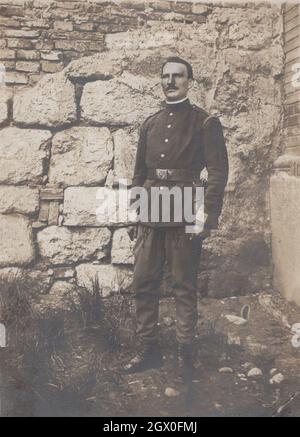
182, 252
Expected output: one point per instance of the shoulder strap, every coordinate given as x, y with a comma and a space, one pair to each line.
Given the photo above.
210, 117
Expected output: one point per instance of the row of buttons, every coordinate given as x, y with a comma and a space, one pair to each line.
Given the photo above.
162, 155
167, 139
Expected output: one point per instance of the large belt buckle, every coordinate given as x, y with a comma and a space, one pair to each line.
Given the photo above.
162, 173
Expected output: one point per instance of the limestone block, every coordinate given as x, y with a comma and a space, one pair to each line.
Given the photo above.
95, 206
16, 245
60, 245
22, 200
100, 66
81, 156
110, 278
22, 152
122, 247
115, 104
50, 103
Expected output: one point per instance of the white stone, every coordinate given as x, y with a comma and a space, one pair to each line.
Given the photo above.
60, 245
86, 206
235, 320
255, 373
171, 392
226, 370
277, 379
16, 245
23, 200
115, 104
111, 279
81, 156
122, 247
22, 152
50, 103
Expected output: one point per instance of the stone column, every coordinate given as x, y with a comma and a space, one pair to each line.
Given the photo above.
285, 182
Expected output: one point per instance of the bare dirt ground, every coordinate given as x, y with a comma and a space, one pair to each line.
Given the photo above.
236, 361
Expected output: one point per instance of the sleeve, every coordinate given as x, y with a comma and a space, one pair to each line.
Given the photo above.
140, 169
216, 161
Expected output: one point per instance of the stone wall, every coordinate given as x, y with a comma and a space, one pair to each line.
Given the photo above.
76, 130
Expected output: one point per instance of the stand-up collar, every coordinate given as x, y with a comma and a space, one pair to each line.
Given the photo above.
177, 106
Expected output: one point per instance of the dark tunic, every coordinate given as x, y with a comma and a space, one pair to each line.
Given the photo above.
184, 136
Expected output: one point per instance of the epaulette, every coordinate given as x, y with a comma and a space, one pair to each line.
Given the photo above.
205, 115
210, 117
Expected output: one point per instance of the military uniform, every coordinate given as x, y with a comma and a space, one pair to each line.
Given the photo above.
175, 145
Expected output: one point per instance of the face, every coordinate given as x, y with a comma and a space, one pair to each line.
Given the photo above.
175, 81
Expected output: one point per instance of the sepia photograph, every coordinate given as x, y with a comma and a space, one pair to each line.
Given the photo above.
149, 211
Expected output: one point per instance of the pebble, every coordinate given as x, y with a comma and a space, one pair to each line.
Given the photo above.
273, 372
255, 373
225, 370
277, 379
235, 320
171, 392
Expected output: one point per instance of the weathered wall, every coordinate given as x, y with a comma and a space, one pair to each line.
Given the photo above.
76, 130
285, 182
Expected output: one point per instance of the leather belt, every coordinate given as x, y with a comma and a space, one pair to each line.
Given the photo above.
173, 174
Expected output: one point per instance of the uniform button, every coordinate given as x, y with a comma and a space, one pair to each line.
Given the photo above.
162, 155
169, 126
166, 140
161, 188
171, 113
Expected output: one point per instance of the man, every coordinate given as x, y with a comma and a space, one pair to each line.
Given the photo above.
175, 145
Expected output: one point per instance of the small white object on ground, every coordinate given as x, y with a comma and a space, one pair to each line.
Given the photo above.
239, 321
171, 392
277, 379
225, 370
255, 373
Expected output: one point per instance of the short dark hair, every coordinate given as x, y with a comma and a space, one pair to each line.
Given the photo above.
178, 60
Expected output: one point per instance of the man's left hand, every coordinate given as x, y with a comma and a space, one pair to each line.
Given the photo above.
200, 231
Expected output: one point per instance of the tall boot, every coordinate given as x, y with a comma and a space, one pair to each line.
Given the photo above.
185, 362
